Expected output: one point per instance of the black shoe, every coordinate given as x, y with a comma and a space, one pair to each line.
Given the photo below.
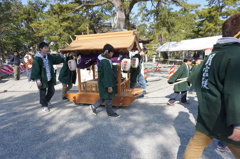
93, 109
65, 98
115, 115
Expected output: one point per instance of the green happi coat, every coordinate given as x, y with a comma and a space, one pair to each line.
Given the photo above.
194, 71
67, 76
182, 72
106, 78
39, 72
218, 90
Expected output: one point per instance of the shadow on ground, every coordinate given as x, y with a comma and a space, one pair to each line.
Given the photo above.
70, 131
145, 130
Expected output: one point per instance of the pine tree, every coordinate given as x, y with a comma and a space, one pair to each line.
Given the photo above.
211, 18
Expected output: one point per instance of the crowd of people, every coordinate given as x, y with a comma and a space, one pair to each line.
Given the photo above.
215, 81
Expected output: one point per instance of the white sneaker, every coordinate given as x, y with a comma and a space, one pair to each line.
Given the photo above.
45, 109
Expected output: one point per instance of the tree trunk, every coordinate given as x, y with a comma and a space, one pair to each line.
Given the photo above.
120, 18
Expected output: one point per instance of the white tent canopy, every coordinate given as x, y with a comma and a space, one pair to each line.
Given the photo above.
191, 44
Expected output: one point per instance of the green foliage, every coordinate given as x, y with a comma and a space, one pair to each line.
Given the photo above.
211, 18
209, 23
18, 35
23, 27
167, 24
57, 24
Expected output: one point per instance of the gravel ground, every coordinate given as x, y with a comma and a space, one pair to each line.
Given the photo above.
147, 128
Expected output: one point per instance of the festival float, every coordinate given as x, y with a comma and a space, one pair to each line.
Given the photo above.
88, 47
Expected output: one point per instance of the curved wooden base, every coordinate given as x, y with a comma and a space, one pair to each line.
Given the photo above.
124, 99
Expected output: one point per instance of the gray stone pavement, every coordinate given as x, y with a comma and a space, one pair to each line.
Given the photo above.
147, 128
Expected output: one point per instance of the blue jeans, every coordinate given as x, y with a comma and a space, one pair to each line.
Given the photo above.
141, 81
29, 72
221, 143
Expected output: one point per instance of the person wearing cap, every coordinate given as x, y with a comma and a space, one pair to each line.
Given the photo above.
106, 81
217, 85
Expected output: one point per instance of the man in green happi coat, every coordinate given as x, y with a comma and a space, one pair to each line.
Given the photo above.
106, 81
181, 73
218, 85
66, 76
43, 74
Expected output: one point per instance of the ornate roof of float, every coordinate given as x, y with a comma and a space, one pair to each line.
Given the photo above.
121, 41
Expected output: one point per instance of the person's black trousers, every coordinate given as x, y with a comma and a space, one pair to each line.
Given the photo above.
108, 105
46, 94
183, 96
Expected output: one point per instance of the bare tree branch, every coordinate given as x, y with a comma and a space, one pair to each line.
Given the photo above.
132, 3
92, 4
177, 2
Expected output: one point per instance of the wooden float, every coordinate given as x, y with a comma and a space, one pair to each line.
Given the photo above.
123, 42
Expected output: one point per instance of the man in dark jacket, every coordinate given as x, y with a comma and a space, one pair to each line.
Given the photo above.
43, 74
181, 73
15, 61
217, 85
66, 76
106, 81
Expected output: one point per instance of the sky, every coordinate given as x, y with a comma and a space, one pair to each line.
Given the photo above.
202, 2
149, 4
24, 1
